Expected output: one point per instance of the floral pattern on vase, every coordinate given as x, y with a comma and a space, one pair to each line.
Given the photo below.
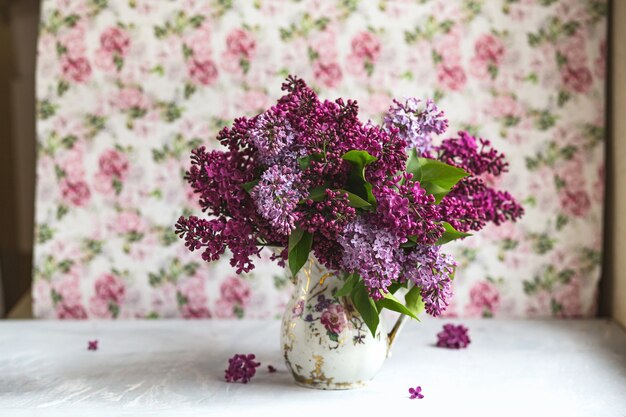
125, 89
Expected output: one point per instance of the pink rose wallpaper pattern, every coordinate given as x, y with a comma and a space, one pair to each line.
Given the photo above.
126, 88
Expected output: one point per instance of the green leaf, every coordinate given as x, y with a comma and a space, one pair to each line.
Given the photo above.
360, 188
450, 234
357, 184
318, 193
413, 301
355, 200
392, 303
304, 162
294, 238
395, 287
359, 159
348, 286
412, 164
436, 177
366, 307
249, 185
299, 249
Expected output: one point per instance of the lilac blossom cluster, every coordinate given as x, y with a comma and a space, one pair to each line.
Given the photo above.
241, 368
276, 197
373, 252
453, 337
416, 120
472, 204
311, 167
431, 270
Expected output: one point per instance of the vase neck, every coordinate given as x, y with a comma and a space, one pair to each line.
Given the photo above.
315, 275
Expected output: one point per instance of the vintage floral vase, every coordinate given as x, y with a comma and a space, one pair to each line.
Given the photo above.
325, 342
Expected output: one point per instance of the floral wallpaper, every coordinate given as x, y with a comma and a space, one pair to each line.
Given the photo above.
126, 88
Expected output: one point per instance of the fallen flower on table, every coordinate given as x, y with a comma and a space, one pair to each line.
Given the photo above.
271, 369
241, 368
416, 393
92, 345
453, 337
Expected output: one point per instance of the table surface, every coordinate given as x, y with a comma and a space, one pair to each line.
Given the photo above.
529, 368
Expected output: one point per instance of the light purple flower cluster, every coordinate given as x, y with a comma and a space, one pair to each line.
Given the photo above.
453, 337
241, 368
431, 270
416, 121
312, 167
272, 136
276, 197
373, 252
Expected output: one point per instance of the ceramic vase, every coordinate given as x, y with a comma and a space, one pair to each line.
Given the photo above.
326, 344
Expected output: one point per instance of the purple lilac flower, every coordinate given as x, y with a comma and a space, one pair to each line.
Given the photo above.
272, 135
453, 337
216, 177
241, 368
329, 216
215, 235
464, 152
267, 148
405, 209
276, 197
300, 124
416, 393
328, 252
416, 121
92, 345
472, 204
373, 252
431, 270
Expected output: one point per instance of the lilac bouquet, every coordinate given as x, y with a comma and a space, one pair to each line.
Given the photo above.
374, 203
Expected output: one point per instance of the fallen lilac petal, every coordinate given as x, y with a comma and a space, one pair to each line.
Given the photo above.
416, 393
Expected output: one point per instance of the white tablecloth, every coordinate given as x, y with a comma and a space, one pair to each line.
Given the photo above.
526, 368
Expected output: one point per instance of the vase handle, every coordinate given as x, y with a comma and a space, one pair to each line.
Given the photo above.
391, 336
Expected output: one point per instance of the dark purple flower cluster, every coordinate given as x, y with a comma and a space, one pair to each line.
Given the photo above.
453, 337
308, 172
241, 368
472, 203
328, 216
465, 153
